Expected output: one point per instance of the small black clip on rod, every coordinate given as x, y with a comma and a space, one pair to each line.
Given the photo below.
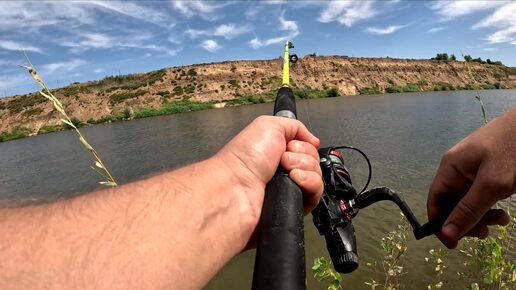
280, 253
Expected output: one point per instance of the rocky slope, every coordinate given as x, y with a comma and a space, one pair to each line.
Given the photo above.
219, 82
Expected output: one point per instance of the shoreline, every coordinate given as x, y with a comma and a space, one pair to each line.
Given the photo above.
185, 106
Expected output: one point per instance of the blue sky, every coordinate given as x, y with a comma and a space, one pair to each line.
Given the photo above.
71, 41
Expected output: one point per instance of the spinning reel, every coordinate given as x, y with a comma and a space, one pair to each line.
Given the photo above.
340, 203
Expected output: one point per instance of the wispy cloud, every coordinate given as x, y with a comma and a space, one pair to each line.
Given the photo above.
385, 30
228, 31
449, 10
137, 40
210, 45
206, 10
18, 46
288, 26
436, 29
252, 11
133, 10
98, 70
347, 12
490, 49
32, 15
67, 66
504, 21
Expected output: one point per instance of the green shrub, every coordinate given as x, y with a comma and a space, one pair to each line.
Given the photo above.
443, 87
189, 89
405, 89
233, 83
441, 56
192, 72
17, 104
32, 112
17, 133
178, 91
164, 94
129, 82
333, 92
370, 91
172, 108
488, 87
118, 98
394, 89
49, 129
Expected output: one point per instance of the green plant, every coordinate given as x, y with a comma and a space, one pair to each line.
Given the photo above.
189, 89
99, 168
233, 83
32, 112
120, 97
178, 91
437, 256
490, 261
370, 91
323, 271
394, 246
333, 92
17, 133
192, 72
163, 94
18, 104
49, 129
172, 108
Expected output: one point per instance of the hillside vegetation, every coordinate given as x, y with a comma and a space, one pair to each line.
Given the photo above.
196, 87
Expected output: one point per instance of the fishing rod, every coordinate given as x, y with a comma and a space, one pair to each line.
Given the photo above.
280, 253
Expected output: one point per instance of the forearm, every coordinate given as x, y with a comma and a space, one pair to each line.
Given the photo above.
172, 231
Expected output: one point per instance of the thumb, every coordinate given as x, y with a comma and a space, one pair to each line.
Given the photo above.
482, 195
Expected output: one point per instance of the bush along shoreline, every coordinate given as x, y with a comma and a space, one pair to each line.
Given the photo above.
186, 105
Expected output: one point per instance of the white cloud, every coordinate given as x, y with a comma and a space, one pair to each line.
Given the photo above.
138, 40
32, 15
490, 49
173, 39
67, 66
206, 10
347, 12
133, 10
449, 10
503, 19
210, 45
288, 26
385, 30
98, 70
252, 11
18, 46
228, 31
436, 29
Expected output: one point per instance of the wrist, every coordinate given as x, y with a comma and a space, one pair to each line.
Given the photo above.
246, 191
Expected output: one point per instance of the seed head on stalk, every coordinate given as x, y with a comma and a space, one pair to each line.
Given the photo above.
99, 167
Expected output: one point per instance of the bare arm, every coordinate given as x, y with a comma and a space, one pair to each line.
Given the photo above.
172, 231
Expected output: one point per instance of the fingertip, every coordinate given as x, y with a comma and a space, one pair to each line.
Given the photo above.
450, 243
311, 185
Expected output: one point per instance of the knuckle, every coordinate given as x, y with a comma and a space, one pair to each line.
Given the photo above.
499, 185
449, 157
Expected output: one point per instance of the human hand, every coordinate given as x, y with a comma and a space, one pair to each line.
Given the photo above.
255, 153
473, 175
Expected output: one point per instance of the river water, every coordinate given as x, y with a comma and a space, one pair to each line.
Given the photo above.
404, 135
